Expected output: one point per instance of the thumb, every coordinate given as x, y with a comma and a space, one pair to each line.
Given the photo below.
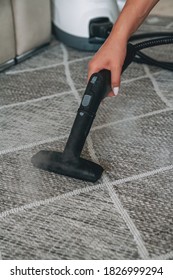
115, 79
92, 68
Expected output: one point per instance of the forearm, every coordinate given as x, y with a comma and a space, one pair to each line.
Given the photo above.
131, 17
112, 53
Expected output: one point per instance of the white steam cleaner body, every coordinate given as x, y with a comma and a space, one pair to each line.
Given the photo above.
83, 24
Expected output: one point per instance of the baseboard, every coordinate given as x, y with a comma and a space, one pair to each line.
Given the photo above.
30, 53
7, 64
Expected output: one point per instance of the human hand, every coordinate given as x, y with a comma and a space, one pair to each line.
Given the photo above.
110, 56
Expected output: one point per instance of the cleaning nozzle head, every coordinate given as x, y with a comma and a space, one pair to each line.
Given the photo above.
76, 168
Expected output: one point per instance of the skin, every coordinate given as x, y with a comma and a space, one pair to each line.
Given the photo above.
112, 53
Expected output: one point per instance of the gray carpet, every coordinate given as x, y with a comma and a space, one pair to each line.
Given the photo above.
128, 213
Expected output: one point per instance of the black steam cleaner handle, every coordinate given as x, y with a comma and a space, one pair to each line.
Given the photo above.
97, 88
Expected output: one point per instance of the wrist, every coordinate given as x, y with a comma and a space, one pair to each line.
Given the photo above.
118, 35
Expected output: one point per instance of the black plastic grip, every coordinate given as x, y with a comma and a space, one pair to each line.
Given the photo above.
97, 88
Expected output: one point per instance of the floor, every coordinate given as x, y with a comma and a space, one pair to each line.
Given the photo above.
128, 213
163, 8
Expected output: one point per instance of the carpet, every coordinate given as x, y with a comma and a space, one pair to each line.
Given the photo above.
128, 213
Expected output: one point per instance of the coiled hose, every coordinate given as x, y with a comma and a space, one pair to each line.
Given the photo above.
163, 38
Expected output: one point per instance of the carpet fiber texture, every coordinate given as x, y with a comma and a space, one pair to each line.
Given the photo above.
128, 213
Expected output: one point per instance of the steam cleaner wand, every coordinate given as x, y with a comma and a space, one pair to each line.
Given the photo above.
69, 162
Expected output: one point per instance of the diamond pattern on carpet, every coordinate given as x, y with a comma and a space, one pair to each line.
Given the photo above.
86, 226
127, 214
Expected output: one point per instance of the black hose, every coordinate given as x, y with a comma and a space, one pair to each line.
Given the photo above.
143, 58
150, 35
154, 42
163, 38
